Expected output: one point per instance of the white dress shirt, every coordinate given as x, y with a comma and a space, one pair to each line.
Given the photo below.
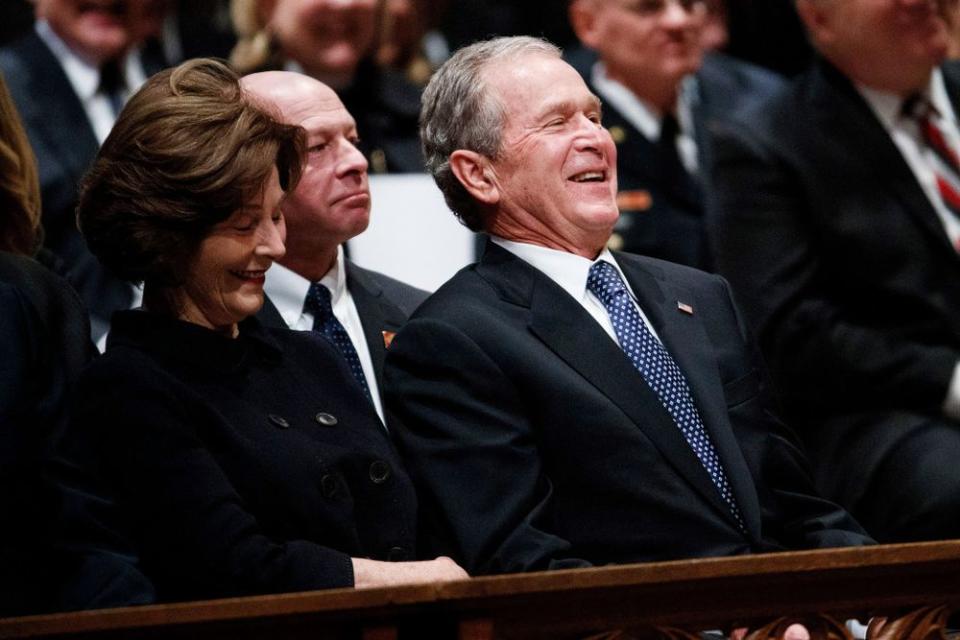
905, 133
646, 118
85, 79
571, 271
288, 291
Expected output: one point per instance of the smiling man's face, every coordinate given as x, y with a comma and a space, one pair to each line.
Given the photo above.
97, 30
556, 169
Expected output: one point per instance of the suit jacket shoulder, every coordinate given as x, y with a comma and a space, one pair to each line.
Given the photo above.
406, 297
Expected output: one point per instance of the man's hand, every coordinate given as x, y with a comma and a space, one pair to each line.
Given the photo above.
374, 573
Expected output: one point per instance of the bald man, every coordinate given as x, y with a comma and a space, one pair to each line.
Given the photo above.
330, 205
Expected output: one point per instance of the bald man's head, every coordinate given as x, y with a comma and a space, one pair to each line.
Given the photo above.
332, 201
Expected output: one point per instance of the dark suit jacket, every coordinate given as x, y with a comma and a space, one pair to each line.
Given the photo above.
669, 222
384, 304
843, 266
536, 444
244, 466
65, 145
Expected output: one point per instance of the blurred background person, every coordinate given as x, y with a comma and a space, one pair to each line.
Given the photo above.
838, 226
247, 460
335, 42
69, 77
410, 40
661, 93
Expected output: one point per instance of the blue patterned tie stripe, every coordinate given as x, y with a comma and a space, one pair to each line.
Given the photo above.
661, 373
319, 305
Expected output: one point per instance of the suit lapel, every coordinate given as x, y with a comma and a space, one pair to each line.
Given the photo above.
685, 337
73, 137
562, 324
377, 314
842, 114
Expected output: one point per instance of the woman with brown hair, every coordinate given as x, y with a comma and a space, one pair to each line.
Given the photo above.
246, 460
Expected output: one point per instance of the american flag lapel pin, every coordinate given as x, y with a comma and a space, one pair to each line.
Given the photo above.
683, 306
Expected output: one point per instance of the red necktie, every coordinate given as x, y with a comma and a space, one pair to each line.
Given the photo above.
944, 160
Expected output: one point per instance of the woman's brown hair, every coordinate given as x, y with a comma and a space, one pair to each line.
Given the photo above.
187, 151
19, 186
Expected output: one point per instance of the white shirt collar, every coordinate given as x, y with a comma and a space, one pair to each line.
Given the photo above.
888, 106
641, 114
645, 117
568, 270
288, 290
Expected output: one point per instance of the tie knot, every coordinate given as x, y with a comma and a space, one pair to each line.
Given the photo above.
669, 129
605, 282
918, 107
318, 302
111, 78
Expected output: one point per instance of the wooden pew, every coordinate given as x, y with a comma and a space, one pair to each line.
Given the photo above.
916, 585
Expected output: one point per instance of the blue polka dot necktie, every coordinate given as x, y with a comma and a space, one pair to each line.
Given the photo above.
661, 373
324, 322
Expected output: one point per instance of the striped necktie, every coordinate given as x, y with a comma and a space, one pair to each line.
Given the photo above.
943, 157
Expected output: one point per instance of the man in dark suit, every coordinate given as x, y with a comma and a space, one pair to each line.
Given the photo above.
537, 441
839, 230
330, 205
661, 93
69, 76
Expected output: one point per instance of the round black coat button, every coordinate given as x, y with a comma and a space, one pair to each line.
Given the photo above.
278, 421
397, 554
326, 419
379, 471
329, 485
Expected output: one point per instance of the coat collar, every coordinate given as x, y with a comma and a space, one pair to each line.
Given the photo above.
169, 339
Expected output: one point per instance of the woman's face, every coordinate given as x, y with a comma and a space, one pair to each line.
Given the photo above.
225, 281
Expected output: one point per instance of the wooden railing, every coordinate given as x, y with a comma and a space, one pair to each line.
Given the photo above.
915, 586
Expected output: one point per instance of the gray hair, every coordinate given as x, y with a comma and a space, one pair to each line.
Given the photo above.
459, 112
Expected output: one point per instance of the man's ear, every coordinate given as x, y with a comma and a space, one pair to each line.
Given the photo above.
583, 19
816, 20
473, 171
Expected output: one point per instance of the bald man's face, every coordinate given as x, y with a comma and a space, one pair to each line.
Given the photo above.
331, 204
